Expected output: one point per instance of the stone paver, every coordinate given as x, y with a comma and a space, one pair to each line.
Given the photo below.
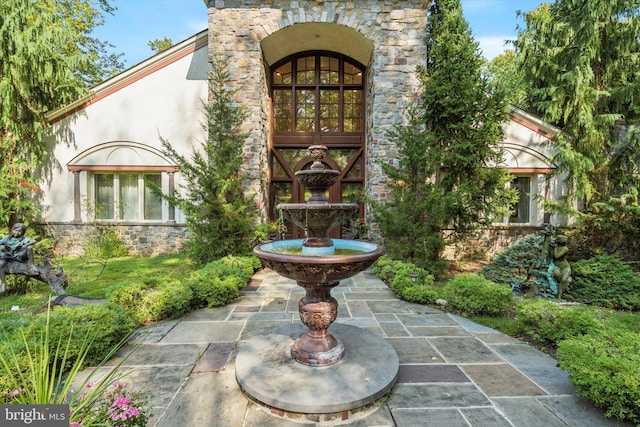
453, 372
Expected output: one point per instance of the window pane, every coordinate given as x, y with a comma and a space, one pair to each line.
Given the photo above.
353, 110
520, 210
305, 103
306, 70
329, 70
104, 196
152, 201
282, 75
352, 74
282, 109
129, 197
329, 110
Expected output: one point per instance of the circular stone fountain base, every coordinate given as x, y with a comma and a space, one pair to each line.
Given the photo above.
266, 372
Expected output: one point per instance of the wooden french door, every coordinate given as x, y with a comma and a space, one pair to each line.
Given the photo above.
318, 98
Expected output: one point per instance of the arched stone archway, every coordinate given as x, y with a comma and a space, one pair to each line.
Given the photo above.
387, 39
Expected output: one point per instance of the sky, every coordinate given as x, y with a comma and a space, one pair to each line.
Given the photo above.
136, 22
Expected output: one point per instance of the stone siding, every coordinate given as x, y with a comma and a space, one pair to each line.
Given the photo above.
396, 30
140, 239
487, 243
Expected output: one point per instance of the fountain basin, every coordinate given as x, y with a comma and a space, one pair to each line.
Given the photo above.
318, 268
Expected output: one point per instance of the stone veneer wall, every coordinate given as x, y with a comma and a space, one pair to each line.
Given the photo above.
141, 239
396, 29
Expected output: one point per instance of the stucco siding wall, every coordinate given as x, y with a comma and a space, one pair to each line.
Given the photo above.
163, 104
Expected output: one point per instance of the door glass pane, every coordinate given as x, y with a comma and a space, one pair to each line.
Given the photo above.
329, 70
152, 200
353, 110
282, 109
293, 155
329, 110
305, 114
104, 196
129, 209
306, 72
282, 192
351, 192
282, 75
278, 170
352, 74
520, 209
341, 156
356, 169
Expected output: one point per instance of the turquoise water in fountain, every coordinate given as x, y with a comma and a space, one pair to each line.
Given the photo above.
340, 247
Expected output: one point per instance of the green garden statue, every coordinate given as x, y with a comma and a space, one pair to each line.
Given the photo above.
15, 247
559, 265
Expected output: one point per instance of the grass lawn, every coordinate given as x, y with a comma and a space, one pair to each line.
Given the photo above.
93, 279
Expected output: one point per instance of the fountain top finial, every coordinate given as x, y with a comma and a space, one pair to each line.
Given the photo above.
317, 153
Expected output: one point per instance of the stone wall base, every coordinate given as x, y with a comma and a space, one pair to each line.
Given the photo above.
488, 242
141, 239
163, 239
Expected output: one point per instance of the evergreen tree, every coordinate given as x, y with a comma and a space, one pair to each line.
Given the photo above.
47, 59
506, 78
220, 217
445, 183
581, 58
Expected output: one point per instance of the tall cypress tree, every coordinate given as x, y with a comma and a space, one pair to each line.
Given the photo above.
219, 215
445, 184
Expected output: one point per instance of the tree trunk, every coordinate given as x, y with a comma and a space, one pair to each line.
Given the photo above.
43, 272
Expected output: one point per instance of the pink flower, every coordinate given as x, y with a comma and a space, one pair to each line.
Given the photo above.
132, 411
17, 392
74, 424
121, 401
90, 384
118, 384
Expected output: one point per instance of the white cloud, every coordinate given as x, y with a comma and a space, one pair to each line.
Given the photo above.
493, 46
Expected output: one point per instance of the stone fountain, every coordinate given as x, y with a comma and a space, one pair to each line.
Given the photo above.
330, 368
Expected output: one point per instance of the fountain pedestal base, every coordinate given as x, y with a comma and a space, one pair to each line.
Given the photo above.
318, 310
321, 349
266, 372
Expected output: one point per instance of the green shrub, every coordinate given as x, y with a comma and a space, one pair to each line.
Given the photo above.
471, 294
203, 282
153, 299
549, 323
104, 243
224, 290
419, 294
605, 281
398, 273
605, 368
247, 264
519, 265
